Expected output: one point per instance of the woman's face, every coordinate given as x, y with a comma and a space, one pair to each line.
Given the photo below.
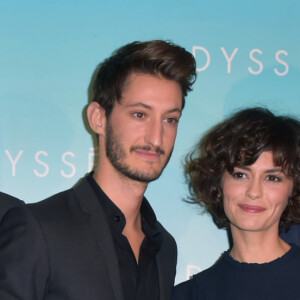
255, 196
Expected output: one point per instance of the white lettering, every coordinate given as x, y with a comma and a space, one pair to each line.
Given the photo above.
281, 62
229, 59
63, 158
14, 162
199, 48
37, 159
261, 67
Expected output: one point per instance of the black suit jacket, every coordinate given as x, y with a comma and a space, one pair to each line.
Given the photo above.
75, 256
6, 203
18, 250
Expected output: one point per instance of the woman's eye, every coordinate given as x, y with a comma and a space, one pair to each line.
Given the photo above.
274, 178
238, 175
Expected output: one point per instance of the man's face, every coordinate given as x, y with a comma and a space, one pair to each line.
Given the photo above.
141, 130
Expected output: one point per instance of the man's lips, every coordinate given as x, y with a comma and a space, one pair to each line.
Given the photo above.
251, 208
148, 154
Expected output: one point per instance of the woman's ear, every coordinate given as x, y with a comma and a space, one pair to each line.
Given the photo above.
96, 117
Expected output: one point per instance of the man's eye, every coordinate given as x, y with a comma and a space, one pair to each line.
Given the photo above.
172, 120
139, 115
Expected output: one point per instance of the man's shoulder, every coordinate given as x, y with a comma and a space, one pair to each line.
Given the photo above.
60, 199
52, 208
15, 218
65, 208
8, 202
53, 200
167, 235
169, 246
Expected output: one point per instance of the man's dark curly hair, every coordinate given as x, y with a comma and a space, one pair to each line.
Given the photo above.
239, 141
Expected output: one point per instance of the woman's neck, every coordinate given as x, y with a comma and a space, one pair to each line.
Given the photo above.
257, 247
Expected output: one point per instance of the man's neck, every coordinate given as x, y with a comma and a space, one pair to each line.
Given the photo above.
125, 193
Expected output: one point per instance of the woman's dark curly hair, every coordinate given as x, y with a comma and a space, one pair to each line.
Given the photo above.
240, 140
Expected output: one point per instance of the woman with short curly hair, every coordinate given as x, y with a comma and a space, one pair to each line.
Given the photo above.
246, 173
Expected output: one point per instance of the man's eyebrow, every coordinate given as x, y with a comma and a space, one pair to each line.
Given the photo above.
175, 110
140, 104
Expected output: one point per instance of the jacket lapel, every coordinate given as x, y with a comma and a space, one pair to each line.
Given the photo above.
91, 206
166, 265
161, 277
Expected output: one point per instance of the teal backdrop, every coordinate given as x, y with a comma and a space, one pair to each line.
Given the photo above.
247, 52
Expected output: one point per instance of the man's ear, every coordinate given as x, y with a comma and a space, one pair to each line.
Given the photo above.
96, 117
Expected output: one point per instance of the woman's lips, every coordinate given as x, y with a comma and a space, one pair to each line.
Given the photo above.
252, 208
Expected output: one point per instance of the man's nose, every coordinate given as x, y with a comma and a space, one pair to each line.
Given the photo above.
154, 134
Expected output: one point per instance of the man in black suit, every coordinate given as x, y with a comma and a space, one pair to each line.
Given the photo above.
101, 239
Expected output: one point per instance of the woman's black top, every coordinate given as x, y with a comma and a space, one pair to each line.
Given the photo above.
232, 280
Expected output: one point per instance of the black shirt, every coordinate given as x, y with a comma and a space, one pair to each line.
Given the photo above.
139, 280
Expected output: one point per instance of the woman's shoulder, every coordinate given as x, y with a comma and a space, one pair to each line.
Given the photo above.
293, 256
210, 275
199, 283
183, 290
188, 289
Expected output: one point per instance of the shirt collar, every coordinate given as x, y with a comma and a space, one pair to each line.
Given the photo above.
116, 218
